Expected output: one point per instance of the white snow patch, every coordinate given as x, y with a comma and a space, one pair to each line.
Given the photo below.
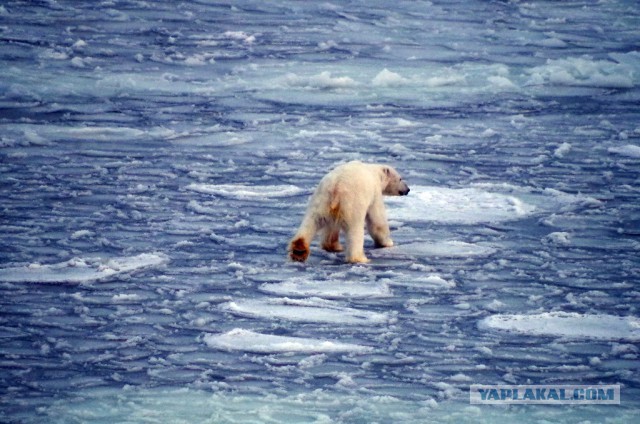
81, 270
568, 325
330, 289
457, 206
249, 341
305, 310
242, 191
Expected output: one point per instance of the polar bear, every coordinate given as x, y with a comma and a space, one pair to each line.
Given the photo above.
348, 198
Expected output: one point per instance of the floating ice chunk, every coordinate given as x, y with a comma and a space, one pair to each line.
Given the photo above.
240, 36
305, 310
501, 83
583, 72
323, 80
553, 43
444, 249
331, 289
123, 298
488, 133
629, 150
386, 78
249, 341
459, 206
562, 150
100, 133
436, 281
242, 191
79, 45
81, 270
82, 234
428, 282
445, 80
568, 325
79, 62
559, 238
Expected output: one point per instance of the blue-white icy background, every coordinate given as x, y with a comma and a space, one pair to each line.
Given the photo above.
157, 156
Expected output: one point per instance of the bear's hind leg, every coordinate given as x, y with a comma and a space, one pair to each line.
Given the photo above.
331, 239
299, 250
300, 245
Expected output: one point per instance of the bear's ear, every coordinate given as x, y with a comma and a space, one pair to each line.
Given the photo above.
387, 171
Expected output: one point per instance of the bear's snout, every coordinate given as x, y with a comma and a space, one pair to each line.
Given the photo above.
405, 191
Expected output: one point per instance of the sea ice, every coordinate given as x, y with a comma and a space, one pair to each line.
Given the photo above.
457, 206
443, 249
583, 71
249, 341
628, 150
81, 270
329, 289
243, 191
305, 310
567, 324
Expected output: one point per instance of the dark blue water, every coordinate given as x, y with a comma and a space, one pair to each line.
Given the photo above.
157, 157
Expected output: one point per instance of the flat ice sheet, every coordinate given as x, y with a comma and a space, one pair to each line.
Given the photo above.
329, 289
242, 191
444, 249
249, 341
305, 310
81, 270
568, 325
458, 206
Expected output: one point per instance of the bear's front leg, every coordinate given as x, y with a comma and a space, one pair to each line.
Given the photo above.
377, 225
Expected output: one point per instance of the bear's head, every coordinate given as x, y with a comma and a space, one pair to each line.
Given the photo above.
392, 184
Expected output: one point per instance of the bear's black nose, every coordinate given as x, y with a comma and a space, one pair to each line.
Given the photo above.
404, 193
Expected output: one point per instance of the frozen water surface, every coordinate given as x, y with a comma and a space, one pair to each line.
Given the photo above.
157, 157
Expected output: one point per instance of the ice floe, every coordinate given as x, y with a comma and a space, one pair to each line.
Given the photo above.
386, 78
483, 203
323, 81
458, 206
329, 289
249, 341
305, 310
568, 325
583, 71
628, 150
243, 191
443, 249
81, 270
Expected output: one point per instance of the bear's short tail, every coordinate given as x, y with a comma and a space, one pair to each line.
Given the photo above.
299, 249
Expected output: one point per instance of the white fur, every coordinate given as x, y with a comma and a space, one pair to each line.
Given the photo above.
348, 198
